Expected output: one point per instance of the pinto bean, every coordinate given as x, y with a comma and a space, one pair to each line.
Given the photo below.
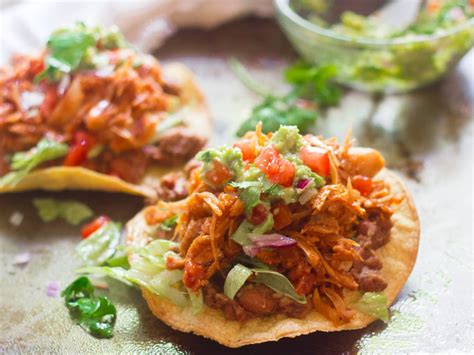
363, 161
257, 299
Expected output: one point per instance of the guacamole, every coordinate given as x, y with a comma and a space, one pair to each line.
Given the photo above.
379, 57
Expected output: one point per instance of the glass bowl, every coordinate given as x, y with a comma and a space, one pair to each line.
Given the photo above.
391, 65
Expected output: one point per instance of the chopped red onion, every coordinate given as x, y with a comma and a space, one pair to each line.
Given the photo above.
260, 241
22, 258
52, 289
303, 183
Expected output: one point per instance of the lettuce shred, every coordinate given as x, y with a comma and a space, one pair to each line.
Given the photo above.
24, 162
73, 212
373, 304
239, 274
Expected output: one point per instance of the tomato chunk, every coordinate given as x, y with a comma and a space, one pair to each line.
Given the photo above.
363, 184
90, 228
218, 175
317, 159
278, 169
77, 154
247, 147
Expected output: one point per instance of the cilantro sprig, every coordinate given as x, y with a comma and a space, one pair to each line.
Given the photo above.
94, 314
75, 47
311, 88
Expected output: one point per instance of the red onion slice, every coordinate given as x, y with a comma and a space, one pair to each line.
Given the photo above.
303, 183
261, 241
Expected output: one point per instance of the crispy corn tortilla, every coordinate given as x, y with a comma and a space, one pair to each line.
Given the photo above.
196, 117
399, 256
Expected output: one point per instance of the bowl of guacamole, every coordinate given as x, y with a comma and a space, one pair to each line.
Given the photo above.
371, 51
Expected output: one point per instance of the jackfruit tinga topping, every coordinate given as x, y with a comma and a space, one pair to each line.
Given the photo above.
280, 224
91, 100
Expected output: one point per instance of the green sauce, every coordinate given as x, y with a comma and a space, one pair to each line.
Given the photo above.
418, 54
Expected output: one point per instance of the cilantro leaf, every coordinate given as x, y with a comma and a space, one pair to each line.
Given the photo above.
69, 48
312, 83
310, 88
73, 212
276, 112
96, 315
168, 224
250, 191
23, 162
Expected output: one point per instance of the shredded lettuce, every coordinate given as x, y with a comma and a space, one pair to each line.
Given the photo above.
167, 284
240, 236
239, 274
148, 270
74, 212
100, 245
197, 301
117, 273
23, 162
373, 304
119, 260
235, 279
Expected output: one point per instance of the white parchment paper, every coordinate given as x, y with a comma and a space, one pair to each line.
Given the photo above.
25, 25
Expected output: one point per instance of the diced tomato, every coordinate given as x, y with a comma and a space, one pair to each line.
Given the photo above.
50, 99
363, 184
77, 154
258, 215
90, 228
281, 216
247, 147
317, 159
36, 66
278, 169
218, 175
